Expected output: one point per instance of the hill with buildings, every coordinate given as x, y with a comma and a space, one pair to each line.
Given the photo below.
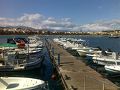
23, 30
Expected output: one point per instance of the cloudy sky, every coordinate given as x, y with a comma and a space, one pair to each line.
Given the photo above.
73, 15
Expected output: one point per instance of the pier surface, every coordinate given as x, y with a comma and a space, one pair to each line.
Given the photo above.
75, 74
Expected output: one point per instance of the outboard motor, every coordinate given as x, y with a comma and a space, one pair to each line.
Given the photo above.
115, 55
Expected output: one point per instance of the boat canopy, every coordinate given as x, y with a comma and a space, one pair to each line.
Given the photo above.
8, 45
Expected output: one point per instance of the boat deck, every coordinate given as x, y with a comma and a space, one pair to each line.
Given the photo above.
75, 74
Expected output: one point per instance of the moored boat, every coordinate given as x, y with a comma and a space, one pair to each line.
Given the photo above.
17, 61
20, 58
109, 59
114, 69
21, 83
88, 50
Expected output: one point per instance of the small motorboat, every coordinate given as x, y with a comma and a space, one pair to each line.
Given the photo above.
114, 36
108, 59
87, 50
21, 83
112, 68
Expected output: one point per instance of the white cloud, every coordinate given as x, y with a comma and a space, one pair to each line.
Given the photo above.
6, 19
40, 21
30, 17
93, 27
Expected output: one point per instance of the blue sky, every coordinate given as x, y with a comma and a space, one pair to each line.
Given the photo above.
80, 11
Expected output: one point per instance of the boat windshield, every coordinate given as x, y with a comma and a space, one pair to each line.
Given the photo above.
11, 86
118, 63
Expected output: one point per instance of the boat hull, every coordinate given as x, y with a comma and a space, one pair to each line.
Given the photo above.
114, 69
20, 83
30, 66
82, 54
105, 61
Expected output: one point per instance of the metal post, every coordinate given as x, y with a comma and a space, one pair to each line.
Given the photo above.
104, 85
50, 46
17, 63
53, 51
84, 81
59, 59
28, 49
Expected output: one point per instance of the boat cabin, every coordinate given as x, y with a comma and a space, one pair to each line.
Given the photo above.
14, 40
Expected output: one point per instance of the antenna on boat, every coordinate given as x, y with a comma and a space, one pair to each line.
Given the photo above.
3, 55
28, 49
14, 39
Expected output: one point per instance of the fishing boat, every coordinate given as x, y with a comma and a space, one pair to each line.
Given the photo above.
21, 83
20, 59
32, 45
31, 42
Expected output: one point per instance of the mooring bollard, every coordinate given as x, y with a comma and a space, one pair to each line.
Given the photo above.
59, 59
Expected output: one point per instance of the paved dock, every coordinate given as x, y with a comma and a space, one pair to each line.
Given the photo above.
76, 75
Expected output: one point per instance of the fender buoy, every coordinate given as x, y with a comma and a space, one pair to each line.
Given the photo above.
53, 77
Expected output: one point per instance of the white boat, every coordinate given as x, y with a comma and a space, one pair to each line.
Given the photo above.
78, 44
112, 68
21, 83
26, 51
107, 59
114, 36
70, 43
34, 41
87, 50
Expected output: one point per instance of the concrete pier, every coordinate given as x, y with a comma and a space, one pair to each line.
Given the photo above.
75, 74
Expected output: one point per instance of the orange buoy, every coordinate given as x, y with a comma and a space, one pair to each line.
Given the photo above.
53, 77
